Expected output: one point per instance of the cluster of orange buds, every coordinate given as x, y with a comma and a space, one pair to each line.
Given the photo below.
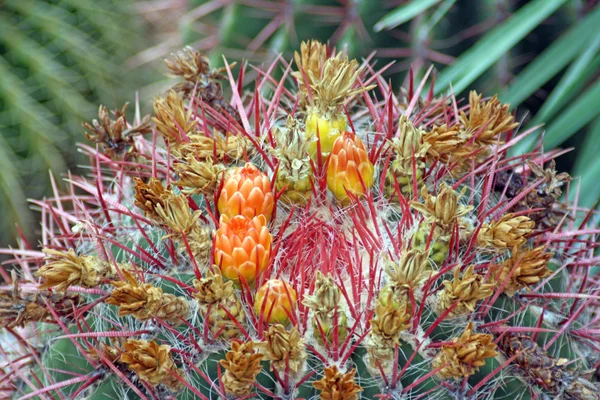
242, 244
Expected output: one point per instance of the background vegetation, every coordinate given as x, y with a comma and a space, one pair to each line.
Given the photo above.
59, 59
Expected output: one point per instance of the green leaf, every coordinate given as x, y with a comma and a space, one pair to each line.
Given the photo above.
552, 60
587, 166
580, 113
571, 83
474, 62
404, 13
569, 87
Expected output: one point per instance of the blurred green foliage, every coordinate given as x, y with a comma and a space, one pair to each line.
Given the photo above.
541, 56
59, 59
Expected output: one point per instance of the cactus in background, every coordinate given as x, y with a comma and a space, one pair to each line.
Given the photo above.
153, 286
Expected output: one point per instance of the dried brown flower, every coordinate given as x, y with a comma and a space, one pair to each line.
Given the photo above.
410, 271
63, 269
199, 177
222, 148
507, 232
328, 314
171, 118
200, 79
212, 289
531, 268
335, 85
491, 116
408, 143
242, 365
284, 348
326, 296
212, 293
295, 171
175, 213
443, 143
389, 322
189, 64
115, 137
145, 301
309, 61
465, 355
149, 196
152, 362
408, 155
338, 386
465, 291
331, 80
544, 368
443, 208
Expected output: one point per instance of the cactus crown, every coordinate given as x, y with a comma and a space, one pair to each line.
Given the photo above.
327, 239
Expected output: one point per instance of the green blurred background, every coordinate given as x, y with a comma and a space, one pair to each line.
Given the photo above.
60, 59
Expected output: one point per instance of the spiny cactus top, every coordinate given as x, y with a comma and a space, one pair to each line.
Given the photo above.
315, 235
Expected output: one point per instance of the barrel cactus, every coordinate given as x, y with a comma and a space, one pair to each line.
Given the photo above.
220, 249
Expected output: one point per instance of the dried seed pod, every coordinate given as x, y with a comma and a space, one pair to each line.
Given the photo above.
285, 350
152, 363
465, 355
507, 232
327, 312
172, 120
442, 208
545, 195
509, 179
336, 385
242, 365
213, 295
526, 267
487, 118
63, 269
145, 301
198, 177
466, 291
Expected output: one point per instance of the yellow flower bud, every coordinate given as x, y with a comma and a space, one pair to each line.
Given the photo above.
349, 168
280, 300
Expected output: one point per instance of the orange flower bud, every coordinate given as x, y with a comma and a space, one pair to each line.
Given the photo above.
280, 298
349, 167
247, 191
242, 247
